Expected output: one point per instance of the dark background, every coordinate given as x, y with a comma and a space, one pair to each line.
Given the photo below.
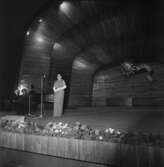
16, 16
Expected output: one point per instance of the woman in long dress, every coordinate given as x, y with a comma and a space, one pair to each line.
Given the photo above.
59, 86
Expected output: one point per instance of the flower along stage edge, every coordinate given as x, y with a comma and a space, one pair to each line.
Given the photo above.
82, 132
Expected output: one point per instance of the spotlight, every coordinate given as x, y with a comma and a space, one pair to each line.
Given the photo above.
64, 6
28, 33
80, 64
40, 20
39, 39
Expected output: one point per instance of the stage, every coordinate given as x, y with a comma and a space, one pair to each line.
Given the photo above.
21, 148
145, 119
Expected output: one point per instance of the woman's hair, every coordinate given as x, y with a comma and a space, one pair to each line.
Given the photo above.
59, 74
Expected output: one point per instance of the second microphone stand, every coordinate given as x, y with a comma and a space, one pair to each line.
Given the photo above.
41, 95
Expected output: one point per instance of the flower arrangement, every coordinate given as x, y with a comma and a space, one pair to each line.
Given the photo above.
83, 132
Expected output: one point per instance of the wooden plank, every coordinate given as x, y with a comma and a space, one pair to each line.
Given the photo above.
12, 158
106, 153
62, 147
34, 143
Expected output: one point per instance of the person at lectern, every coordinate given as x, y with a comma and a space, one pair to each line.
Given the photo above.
58, 88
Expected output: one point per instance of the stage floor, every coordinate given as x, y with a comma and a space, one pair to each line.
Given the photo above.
146, 119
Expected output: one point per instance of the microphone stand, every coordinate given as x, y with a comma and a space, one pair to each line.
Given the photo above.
29, 105
41, 95
41, 101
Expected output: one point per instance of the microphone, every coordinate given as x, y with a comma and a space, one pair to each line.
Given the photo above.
44, 76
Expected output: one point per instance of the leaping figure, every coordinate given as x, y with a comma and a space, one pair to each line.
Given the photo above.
128, 69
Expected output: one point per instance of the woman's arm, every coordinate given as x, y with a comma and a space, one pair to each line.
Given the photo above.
54, 89
61, 88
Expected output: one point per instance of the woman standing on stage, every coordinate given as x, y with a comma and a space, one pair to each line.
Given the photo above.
59, 86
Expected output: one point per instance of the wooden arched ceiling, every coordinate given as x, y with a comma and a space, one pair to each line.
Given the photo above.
79, 35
